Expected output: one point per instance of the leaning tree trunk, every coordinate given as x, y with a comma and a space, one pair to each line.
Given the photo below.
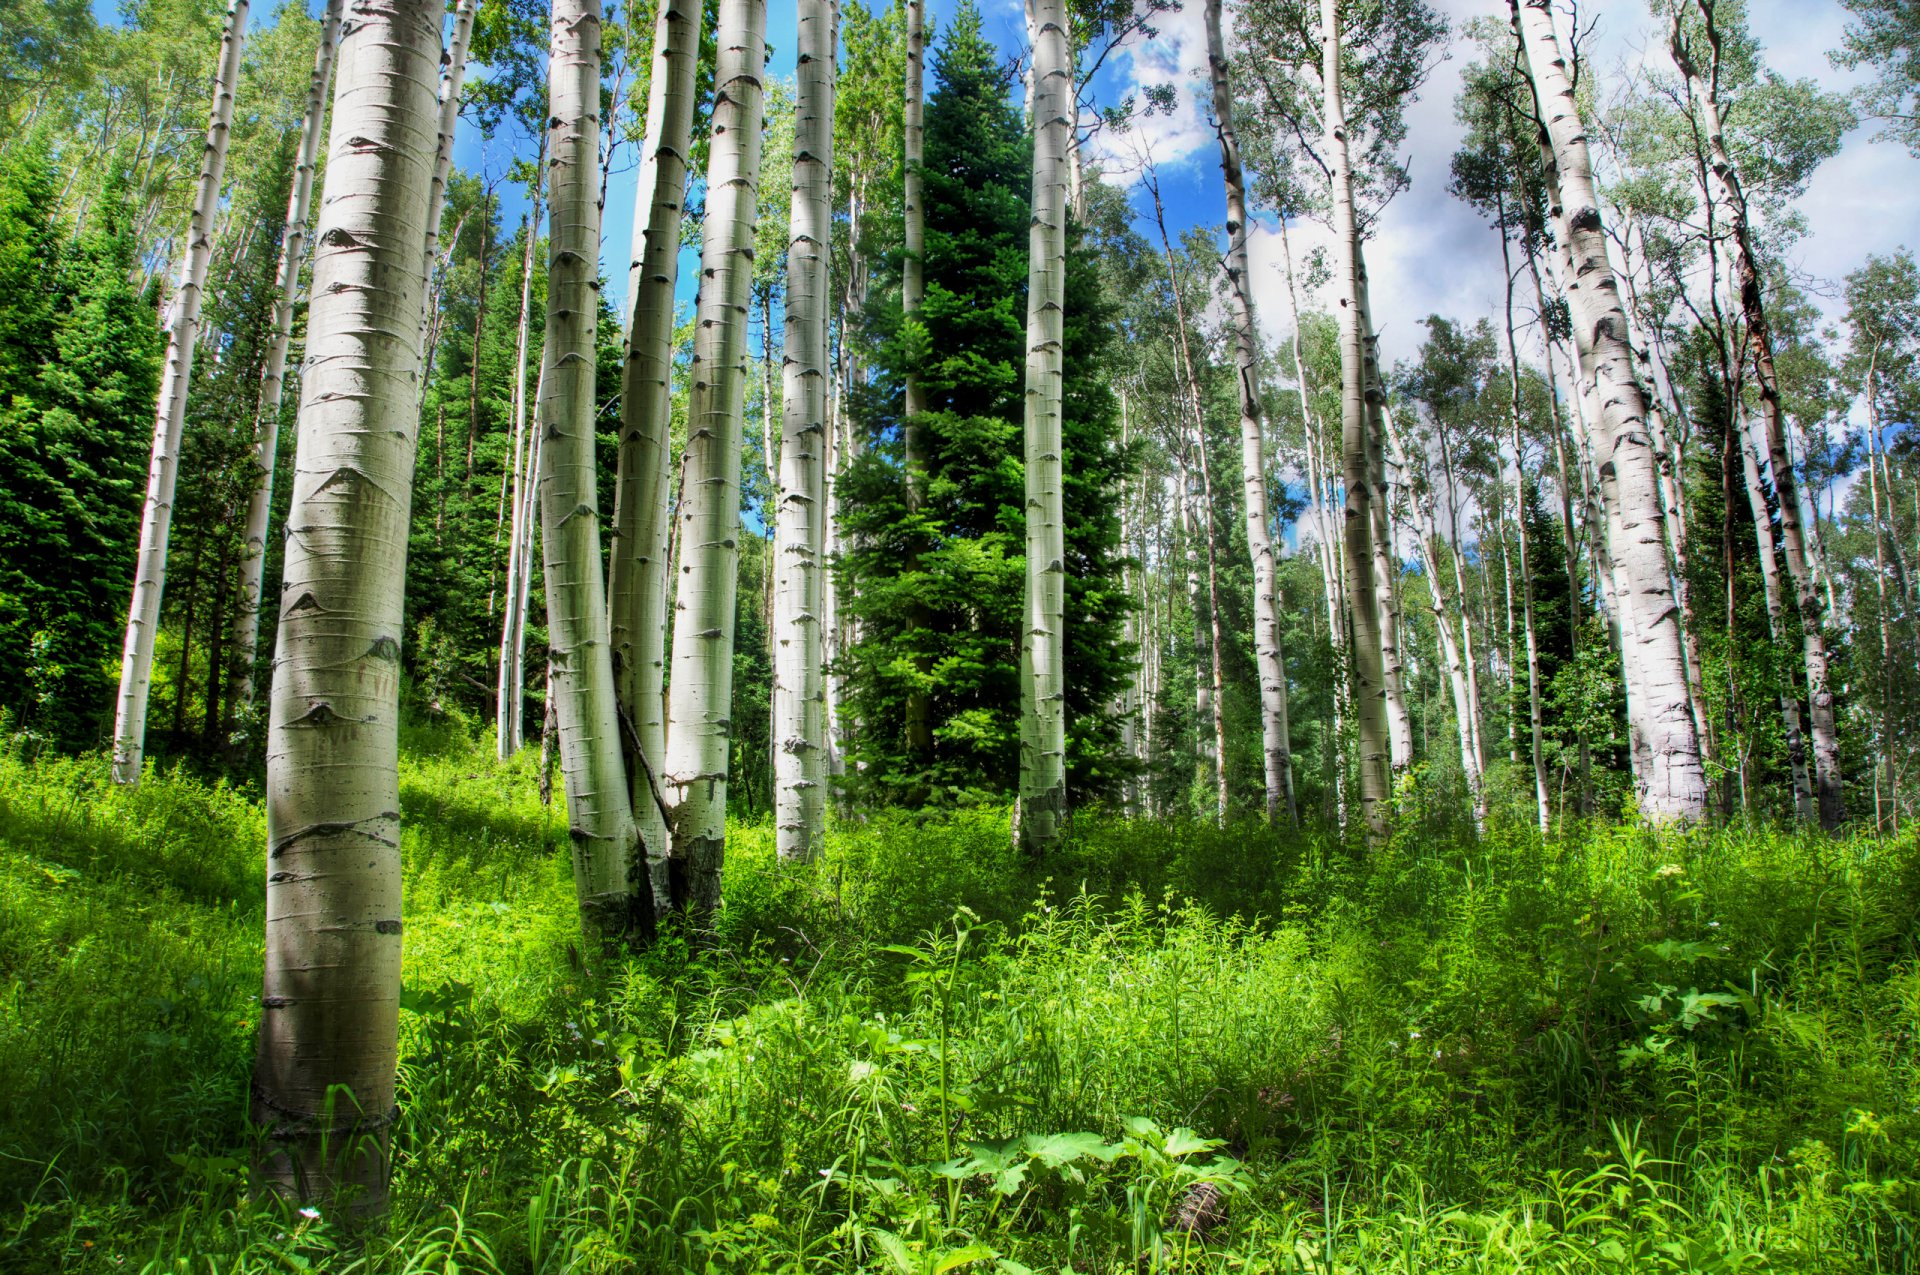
1824, 727
330, 1008
799, 693
580, 683
273, 379
453, 70
183, 333
1043, 682
699, 706
1363, 614
1269, 660
1675, 781
637, 587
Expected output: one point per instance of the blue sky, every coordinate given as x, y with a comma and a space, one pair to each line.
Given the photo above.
1431, 253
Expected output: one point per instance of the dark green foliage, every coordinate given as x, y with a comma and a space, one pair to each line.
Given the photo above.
79, 370
938, 593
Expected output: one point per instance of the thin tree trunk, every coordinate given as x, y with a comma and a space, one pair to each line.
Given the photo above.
700, 701
1676, 782
509, 733
912, 295
1043, 684
453, 69
637, 587
1269, 659
273, 380
1813, 643
323, 1081
1542, 797
799, 694
183, 332
1363, 612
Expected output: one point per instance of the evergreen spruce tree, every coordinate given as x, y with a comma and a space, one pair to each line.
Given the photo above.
937, 590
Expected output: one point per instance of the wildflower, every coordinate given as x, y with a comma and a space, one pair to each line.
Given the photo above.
1414, 1034
1669, 870
310, 1213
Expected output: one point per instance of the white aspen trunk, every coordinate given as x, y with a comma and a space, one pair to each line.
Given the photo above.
700, 702
580, 686
323, 1080
1427, 531
1363, 611
799, 694
1888, 813
453, 70
912, 295
1675, 788
1460, 595
1803, 801
183, 334
1759, 340
1536, 726
1206, 765
1386, 560
273, 379
1269, 660
1042, 810
637, 583
510, 693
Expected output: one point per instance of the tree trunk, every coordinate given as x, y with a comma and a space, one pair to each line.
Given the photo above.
509, 732
912, 295
1813, 642
637, 587
273, 380
1269, 659
1675, 787
183, 334
580, 684
1043, 718
1363, 613
700, 702
324, 1076
799, 694
453, 69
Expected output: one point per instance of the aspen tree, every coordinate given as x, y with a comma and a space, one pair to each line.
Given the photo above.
699, 705
510, 692
453, 70
1043, 725
273, 379
912, 296
1363, 614
1704, 89
580, 685
330, 1007
183, 334
1276, 749
799, 694
1674, 783
637, 585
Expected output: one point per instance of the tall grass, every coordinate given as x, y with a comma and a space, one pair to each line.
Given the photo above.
1609, 1051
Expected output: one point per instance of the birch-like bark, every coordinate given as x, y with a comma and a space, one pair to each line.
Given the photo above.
1363, 613
919, 712
1269, 659
510, 692
273, 378
1759, 334
1386, 559
1536, 729
453, 70
1209, 767
637, 584
1675, 783
323, 1081
1043, 721
580, 687
699, 706
183, 334
799, 692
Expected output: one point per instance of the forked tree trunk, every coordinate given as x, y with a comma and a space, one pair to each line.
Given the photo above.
183, 334
1363, 612
1746, 268
1043, 683
700, 703
580, 686
1269, 659
330, 1008
273, 379
799, 694
1675, 782
637, 586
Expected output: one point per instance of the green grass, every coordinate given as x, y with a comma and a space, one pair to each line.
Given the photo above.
1611, 1051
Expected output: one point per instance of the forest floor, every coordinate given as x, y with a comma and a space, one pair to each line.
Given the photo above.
1169, 1048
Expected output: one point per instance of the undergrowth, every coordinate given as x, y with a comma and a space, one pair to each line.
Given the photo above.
1167, 1048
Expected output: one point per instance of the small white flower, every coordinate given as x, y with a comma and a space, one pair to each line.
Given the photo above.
1713, 925
1414, 1034
310, 1213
